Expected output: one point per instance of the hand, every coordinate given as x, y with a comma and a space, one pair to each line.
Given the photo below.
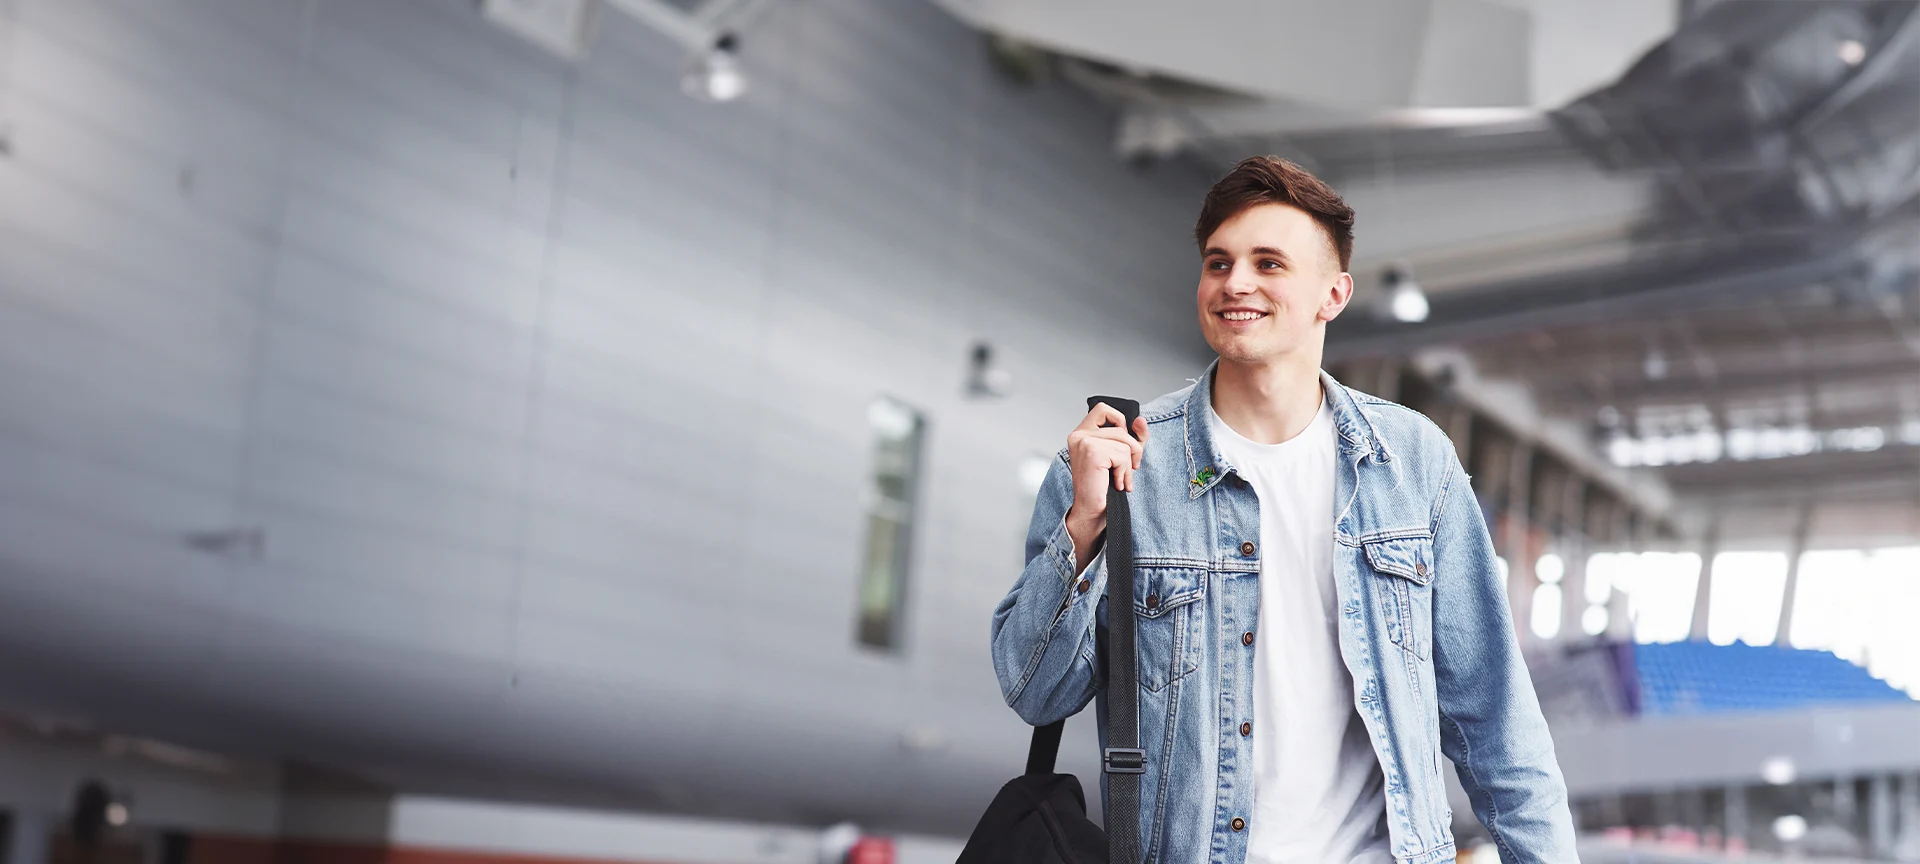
1101, 453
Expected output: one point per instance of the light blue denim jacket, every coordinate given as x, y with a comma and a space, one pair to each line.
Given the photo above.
1425, 631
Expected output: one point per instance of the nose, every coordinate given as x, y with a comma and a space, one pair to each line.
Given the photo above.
1240, 280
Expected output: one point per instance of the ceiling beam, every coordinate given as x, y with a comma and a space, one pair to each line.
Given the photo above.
1895, 468
1744, 384
1533, 304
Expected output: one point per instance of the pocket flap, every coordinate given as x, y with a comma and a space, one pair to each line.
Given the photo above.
1156, 590
1406, 557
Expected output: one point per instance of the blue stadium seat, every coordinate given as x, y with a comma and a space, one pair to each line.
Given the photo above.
1699, 678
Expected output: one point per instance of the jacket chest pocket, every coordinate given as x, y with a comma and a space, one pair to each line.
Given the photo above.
1168, 620
1403, 567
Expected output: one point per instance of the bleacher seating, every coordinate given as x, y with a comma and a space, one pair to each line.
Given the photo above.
1698, 678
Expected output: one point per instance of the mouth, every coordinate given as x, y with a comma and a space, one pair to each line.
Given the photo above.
1239, 315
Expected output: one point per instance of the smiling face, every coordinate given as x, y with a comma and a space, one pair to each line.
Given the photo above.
1269, 282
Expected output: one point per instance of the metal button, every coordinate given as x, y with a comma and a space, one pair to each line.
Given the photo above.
1239, 824
1246, 729
1247, 638
1420, 568
1153, 602
1083, 586
1246, 547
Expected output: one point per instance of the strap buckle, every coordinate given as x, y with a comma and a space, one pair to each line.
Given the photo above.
1124, 760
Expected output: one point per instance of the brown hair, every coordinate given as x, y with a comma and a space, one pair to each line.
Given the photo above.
1272, 180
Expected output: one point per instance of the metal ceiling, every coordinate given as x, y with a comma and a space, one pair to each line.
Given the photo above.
1765, 281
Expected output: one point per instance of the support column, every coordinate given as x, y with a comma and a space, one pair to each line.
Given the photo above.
32, 830
1386, 383
1573, 549
1846, 805
1736, 819
1880, 815
1515, 542
1703, 593
1460, 431
1619, 626
1907, 835
1792, 588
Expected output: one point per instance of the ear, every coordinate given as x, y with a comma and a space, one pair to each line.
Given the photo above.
1335, 301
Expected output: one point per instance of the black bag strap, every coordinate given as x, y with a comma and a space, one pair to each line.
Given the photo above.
1122, 760
1045, 749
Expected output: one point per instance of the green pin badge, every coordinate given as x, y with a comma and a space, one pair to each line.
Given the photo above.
1204, 477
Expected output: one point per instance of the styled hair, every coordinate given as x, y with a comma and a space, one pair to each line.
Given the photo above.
1272, 180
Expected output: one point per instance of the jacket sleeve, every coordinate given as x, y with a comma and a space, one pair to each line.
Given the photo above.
1490, 720
1044, 630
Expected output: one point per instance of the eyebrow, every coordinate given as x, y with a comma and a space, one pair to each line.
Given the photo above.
1257, 250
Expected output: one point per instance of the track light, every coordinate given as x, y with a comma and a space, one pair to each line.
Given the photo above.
1655, 364
1852, 52
716, 76
1406, 301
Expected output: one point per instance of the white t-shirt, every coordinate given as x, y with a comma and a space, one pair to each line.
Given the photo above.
1317, 789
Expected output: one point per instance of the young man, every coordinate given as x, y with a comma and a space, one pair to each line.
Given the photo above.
1317, 609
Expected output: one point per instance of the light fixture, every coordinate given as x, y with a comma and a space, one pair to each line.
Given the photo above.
1852, 52
1777, 771
1594, 621
1550, 568
1655, 364
116, 814
1405, 299
716, 76
1790, 828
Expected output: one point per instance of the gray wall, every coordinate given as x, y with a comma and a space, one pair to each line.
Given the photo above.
547, 386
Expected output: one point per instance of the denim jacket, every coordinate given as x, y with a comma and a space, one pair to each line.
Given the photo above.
1425, 631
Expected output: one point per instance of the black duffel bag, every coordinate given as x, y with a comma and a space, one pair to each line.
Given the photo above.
1040, 817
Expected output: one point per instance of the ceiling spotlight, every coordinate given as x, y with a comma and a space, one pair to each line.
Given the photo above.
1790, 828
716, 76
1777, 770
1655, 364
1406, 301
1852, 52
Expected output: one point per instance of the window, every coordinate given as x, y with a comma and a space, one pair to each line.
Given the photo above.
1747, 588
1659, 588
897, 433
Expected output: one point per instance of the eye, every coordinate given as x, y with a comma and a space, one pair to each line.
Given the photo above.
1218, 265
1270, 264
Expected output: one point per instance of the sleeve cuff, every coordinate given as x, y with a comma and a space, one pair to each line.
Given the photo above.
1060, 552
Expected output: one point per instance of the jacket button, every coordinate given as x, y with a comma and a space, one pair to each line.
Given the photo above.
1247, 638
1083, 586
1239, 824
1420, 568
1153, 602
1246, 729
1246, 547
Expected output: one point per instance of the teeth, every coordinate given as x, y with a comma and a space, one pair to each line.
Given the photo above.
1241, 316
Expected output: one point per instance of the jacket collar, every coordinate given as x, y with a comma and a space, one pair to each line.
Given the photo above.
1206, 464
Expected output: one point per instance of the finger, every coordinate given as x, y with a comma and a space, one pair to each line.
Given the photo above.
1140, 428
1130, 479
1119, 477
1101, 415
1109, 433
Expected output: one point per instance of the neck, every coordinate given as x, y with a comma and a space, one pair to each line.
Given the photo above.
1267, 402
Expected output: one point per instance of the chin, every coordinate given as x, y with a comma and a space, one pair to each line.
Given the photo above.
1245, 351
